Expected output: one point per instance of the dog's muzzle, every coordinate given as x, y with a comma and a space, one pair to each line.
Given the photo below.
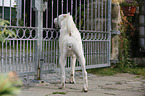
56, 23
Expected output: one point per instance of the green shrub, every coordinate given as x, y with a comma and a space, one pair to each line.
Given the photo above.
5, 31
9, 84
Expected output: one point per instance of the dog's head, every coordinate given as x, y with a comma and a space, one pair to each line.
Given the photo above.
59, 19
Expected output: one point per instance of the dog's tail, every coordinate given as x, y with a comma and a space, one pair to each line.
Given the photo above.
70, 24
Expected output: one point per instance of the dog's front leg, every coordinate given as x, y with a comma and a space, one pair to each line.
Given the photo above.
73, 62
62, 62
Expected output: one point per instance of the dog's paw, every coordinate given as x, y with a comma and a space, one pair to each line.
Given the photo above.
61, 87
72, 82
85, 90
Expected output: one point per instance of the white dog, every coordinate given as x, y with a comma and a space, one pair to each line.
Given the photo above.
70, 44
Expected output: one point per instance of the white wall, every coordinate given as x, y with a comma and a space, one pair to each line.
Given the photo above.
7, 3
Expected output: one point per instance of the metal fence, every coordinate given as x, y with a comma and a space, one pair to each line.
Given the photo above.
36, 46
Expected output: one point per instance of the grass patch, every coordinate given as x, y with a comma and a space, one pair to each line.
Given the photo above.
103, 71
59, 93
137, 71
112, 71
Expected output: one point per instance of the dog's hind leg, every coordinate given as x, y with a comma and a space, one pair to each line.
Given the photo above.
81, 58
73, 62
62, 61
84, 72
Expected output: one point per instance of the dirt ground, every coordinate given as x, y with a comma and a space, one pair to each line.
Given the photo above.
122, 84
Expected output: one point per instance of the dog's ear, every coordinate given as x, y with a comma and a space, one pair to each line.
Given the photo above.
68, 14
65, 15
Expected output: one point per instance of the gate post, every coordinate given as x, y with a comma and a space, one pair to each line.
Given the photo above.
38, 49
109, 30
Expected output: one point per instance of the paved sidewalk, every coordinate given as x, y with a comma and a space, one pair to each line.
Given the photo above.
117, 85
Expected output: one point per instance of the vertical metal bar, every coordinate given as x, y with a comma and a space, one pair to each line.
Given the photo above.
6, 57
57, 53
2, 56
71, 7
34, 55
87, 53
84, 14
30, 13
49, 55
17, 65
96, 15
30, 69
105, 14
62, 6
10, 12
47, 16
76, 13
20, 64
23, 56
80, 22
102, 15
51, 52
57, 8
52, 16
67, 6
43, 49
92, 15
98, 49
46, 53
3, 10
108, 29
91, 52
10, 55
88, 15
24, 11
101, 53
17, 12
13, 56
54, 55
27, 59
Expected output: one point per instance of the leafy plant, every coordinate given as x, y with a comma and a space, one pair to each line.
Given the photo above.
127, 31
5, 31
129, 3
9, 84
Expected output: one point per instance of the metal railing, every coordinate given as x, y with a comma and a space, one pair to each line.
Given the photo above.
36, 50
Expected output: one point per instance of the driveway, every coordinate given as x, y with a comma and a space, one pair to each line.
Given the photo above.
122, 84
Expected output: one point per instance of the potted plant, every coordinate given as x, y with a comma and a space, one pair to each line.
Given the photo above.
129, 7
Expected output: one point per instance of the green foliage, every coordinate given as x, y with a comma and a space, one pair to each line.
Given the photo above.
59, 93
103, 71
129, 3
9, 84
127, 32
112, 71
5, 31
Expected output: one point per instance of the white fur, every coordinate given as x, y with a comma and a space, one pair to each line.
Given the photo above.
70, 44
